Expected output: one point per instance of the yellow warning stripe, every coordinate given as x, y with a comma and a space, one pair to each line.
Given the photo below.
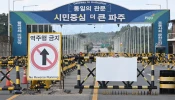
95, 93
12, 97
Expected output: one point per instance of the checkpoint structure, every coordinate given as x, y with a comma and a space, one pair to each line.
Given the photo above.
47, 64
88, 12
44, 56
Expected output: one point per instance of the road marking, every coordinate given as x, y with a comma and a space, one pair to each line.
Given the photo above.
95, 93
12, 97
149, 74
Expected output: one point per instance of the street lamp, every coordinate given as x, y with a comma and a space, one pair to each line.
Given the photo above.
9, 18
167, 4
14, 3
29, 6
9, 14
155, 5
2, 24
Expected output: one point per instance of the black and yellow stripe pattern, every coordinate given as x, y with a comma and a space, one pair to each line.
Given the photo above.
114, 87
103, 85
17, 77
16, 86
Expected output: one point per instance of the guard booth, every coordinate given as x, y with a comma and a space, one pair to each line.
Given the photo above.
160, 49
171, 37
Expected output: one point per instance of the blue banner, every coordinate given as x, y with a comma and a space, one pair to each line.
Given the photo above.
86, 12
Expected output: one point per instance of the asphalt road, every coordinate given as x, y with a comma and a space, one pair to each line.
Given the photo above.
87, 94
121, 94
70, 82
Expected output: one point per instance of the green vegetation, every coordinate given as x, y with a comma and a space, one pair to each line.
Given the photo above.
95, 37
89, 46
3, 24
110, 48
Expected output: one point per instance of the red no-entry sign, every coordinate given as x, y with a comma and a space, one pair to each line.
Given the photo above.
44, 58
44, 53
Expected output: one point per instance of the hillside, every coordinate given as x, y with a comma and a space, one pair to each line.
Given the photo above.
98, 36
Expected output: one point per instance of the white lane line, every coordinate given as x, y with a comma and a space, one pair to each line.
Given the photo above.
149, 74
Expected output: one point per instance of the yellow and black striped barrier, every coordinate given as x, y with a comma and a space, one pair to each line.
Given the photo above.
104, 85
10, 85
161, 59
114, 87
69, 64
139, 92
167, 82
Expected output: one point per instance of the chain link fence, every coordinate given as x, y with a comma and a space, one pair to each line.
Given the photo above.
5, 45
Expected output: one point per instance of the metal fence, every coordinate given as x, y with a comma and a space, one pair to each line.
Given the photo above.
5, 45
134, 40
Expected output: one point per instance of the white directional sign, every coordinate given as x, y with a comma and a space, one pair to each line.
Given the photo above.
44, 56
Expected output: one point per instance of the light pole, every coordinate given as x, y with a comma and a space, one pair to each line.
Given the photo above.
167, 4
155, 5
14, 3
9, 14
29, 6
2, 24
9, 18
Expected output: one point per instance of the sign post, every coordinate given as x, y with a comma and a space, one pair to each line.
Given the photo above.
44, 56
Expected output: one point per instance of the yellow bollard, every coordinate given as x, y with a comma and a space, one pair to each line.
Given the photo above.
33, 84
47, 83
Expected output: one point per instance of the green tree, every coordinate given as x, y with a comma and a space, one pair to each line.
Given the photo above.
88, 46
110, 48
3, 24
82, 35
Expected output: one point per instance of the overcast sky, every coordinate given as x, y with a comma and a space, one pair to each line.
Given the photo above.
51, 4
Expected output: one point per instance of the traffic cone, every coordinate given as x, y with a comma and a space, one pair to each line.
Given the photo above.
8, 83
24, 81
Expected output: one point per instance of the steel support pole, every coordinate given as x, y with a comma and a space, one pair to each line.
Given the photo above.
144, 37
135, 39
9, 18
148, 40
140, 40
130, 40
70, 44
